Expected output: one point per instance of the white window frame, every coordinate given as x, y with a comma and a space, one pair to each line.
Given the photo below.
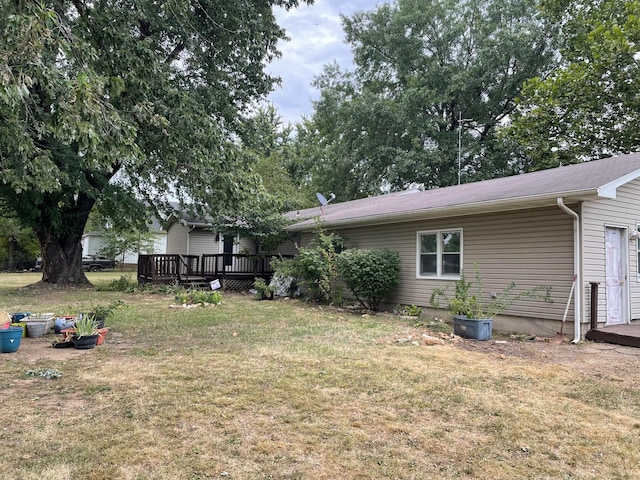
439, 253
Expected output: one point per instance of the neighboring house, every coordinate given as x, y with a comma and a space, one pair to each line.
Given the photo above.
92, 243
540, 228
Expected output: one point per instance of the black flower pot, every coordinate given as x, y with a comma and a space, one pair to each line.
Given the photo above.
85, 342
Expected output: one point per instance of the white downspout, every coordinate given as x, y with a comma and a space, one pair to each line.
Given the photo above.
577, 292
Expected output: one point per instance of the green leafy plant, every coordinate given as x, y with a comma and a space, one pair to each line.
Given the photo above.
198, 297
48, 373
103, 311
316, 266
123, 284
371, 275
263, 290
412, 311
86, 326
468, 297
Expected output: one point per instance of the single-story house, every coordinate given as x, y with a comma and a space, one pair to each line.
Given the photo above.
553, 227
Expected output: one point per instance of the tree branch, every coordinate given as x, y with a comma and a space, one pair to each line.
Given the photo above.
145, 29
175, 53
80, 7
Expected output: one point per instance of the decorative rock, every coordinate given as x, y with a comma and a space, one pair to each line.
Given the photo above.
429, 340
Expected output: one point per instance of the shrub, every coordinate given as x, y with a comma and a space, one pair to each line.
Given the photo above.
468, 298
123, 284
371, 275
412, 311
316, 266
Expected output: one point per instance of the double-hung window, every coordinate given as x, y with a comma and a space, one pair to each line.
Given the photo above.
439, 253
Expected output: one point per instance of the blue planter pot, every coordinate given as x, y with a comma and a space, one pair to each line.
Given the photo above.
10, 339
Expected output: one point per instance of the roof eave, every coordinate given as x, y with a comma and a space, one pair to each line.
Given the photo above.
502, 205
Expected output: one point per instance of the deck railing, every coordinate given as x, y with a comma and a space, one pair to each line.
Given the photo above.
166, 268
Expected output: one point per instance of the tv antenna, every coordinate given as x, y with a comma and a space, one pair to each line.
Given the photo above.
460, 122
323, 200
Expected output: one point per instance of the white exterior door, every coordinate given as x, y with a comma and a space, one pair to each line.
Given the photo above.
616, 275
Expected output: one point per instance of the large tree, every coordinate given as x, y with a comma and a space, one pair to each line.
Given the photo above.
420, 67
114, 103
589, 107
271, 144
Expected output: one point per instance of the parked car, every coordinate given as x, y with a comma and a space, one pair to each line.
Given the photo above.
95, 264
89, 264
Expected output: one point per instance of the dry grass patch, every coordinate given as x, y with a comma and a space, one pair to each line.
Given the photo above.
285, 390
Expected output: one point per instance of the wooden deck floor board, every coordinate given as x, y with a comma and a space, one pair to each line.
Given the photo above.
628, 335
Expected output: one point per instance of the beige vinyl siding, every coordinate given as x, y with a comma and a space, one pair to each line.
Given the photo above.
177, 239
530, 247
202, 242
288, 247
622, 212
245, 245
181, 240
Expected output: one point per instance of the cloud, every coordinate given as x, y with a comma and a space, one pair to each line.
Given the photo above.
316, 39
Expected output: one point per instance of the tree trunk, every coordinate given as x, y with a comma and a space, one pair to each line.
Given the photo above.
62, 260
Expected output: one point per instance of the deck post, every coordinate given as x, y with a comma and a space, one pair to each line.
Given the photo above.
594, 304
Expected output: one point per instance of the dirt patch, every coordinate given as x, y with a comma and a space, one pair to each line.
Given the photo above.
587, 358
615, 362
37, 350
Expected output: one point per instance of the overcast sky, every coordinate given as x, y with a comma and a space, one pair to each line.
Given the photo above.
317, 39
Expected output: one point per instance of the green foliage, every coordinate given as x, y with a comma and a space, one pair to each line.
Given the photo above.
116, 242
103, 311
588, 107
284, 267
270, 146
264, 291
123, 284
371, 275
104, 104
316, 266
48, 373
420, 65
199, 297
19, 246
412, 310
468, 298
286, 274
273, 145
85, 326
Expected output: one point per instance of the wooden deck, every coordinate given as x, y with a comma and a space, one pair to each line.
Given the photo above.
628, 335
194, 269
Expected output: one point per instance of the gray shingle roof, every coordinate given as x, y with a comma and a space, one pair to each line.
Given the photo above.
584, 181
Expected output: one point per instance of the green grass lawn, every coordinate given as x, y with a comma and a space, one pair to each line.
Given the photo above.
288, 390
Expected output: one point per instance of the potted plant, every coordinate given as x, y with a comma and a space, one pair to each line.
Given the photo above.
66, 341
86, 332
101, 312
472, 313
264, 291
